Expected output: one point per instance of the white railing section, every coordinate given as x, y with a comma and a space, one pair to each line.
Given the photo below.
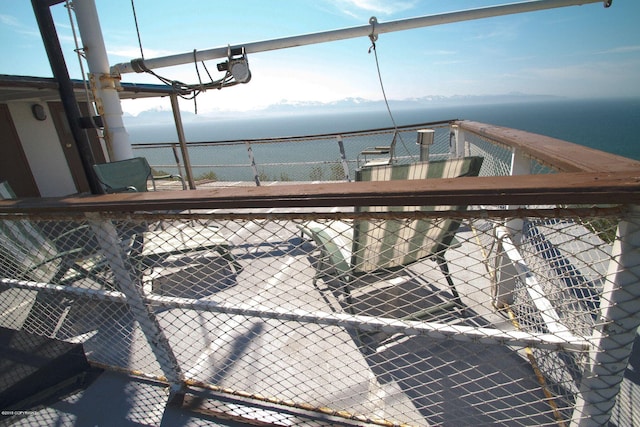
329, 157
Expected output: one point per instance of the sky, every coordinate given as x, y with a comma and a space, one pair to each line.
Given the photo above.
579, 52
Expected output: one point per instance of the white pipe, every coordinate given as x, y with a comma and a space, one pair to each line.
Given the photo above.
346, 33
615, 329
106, 93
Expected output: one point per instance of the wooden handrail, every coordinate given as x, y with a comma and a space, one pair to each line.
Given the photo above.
566, 188
561, 155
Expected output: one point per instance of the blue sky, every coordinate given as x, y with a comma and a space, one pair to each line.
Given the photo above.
577, 51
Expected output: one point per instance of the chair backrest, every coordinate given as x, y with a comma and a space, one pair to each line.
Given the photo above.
6, 192
124, 175
23, 247
382, 244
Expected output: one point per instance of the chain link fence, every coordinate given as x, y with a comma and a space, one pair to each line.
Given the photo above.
250, 308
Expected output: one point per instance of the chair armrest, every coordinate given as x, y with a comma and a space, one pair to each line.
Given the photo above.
376, 150
171, 176
129, 189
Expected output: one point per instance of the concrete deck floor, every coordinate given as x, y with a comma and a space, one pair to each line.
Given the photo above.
289, 360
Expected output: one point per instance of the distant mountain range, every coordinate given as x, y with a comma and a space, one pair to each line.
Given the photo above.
347, 104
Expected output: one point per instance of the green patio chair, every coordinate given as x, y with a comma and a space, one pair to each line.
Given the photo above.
46, 251
65, 252
129, 175
375, 246
53, 252
132, 175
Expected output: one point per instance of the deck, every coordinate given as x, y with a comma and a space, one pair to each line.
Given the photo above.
253, 338
260, 355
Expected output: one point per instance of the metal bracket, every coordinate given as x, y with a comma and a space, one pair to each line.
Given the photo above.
373, 36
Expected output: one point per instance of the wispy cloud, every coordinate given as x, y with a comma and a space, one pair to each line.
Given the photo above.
451, 62
10, 21
356, 7
440, 52
130, 52
621, 49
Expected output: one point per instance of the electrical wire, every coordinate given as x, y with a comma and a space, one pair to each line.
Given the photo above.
183, 90
91, 107
135, 19
373, 37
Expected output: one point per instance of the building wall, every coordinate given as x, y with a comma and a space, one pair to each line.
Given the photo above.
42, 148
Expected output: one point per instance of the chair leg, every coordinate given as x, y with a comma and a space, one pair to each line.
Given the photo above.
66, 264
47, 314
444, 267
224, 251
346, 291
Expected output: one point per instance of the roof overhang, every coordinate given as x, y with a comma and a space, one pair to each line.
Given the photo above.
24, 88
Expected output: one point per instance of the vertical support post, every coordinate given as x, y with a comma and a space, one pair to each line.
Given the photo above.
107, 236
177, 118
343, 158
252, 160
457, 141
108, 100
506, 274
520, 165
424, 141
615, 330
65, 87
176, 158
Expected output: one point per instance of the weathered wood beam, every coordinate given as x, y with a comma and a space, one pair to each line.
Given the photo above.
551, 189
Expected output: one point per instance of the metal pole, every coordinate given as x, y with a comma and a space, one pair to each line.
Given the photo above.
110, 243
254, 167
106, 85
615, 331
175, 107
373, 28
343, 158
65, 87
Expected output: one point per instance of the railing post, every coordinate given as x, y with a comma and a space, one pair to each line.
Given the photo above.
252, 161
175, 107
520, 165
456, 141
506, 274
131, 287
615, 330
343, 158
425, 141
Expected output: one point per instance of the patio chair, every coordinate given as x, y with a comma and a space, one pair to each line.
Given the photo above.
380, 155
60, 253
132, 175
129, 175
378, 246
46, 252
65, 252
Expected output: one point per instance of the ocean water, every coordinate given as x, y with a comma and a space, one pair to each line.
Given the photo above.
611, 125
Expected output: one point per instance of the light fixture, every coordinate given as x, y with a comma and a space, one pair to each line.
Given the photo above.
38, 112
237, 65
